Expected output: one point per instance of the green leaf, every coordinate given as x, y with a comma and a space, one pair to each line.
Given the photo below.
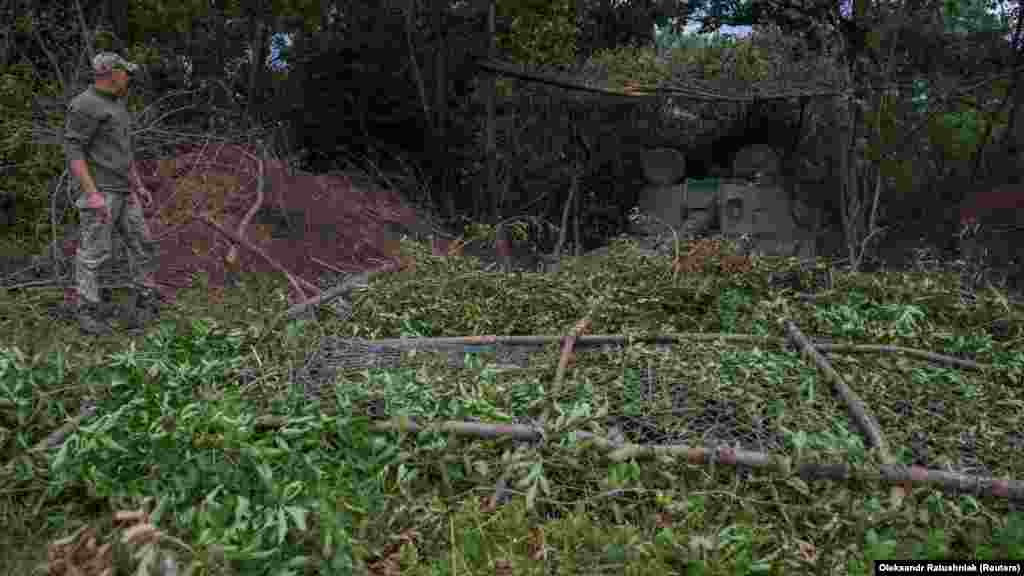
282, 526
298, 514
531, 496
61, 458
242, 511
266, 474
110, 443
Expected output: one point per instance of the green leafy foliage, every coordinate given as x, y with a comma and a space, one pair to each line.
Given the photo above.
958, 133
322, 490
859, 316
29, 167
730, 304
706, 58
973, 16
265, 499
629, 64
539, 33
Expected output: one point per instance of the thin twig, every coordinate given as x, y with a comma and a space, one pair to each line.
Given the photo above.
155, 103
53, 222
56, 438
567, 348
51, 57
36, 284
325, 297
327, 265
232, 257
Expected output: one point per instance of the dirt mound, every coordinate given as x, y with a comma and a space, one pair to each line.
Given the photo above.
309, 223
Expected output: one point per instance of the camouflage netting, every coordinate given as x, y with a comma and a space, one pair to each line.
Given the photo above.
756, 395
703, 392
664, 394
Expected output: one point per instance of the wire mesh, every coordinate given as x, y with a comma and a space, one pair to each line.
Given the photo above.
705, 394
655, 398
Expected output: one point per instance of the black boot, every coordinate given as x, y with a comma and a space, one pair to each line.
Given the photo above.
91, 319
142, 307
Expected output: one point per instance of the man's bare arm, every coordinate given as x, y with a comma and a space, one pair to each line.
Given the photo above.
80, 170
136, 179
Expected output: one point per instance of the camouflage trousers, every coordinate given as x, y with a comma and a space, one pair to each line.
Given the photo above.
95, 243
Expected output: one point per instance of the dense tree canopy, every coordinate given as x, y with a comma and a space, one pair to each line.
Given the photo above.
378, 80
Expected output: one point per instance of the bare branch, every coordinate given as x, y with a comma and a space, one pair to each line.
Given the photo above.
51, 57
88, 38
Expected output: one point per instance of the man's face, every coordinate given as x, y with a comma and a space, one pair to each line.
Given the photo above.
121, 80
116, 82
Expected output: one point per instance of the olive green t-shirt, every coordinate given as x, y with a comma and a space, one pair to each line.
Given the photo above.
98, 130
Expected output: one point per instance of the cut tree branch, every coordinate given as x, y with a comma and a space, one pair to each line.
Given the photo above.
297, 282
859, 411
812, 467
685, 337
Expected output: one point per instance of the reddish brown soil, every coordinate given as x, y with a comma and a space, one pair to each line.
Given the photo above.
302, 217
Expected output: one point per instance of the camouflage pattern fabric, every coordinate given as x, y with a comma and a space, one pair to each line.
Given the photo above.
94, 247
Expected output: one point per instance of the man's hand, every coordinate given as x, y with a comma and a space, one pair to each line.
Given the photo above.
145, 195
93, 198
96, 201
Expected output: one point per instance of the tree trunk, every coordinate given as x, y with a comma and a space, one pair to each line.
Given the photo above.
88, 35
257, 43
297, 72
847, 121
7, 10
1017, 145
1015, 134
845, 183
115, 15
220, 31
492, 158
577, 209
515, 166
440, 120
642, 23
326, 27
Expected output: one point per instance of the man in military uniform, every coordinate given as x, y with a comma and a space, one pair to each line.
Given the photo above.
98, 146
